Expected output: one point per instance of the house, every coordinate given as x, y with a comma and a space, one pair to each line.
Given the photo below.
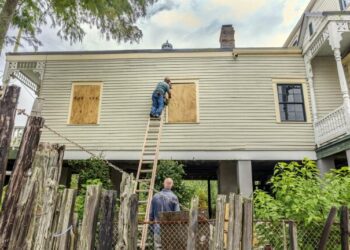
235, 111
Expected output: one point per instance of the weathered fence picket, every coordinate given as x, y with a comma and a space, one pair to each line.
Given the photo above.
108, 202
133, 233
219, 225
8, 105
23, 163
193, 225
65, 221
344, 227
293, 235
327, 229
238, 220
247, 235
126, 190
91, 208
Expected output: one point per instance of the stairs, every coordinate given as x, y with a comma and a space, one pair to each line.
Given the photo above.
146, 173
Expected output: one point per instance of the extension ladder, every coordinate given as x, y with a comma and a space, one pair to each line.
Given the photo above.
146, 173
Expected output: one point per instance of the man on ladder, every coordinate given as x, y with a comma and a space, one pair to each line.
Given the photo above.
158, 97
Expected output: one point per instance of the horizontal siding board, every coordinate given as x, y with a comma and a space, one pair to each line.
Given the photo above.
236, 103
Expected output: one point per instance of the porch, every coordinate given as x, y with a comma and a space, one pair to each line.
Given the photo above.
331, 38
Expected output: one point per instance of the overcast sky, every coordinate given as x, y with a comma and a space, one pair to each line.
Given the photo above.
192, 24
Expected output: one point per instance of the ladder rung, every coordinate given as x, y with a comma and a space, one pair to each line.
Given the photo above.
146, 170
144, 180
147, 161
149, 153
142, 202
142, 191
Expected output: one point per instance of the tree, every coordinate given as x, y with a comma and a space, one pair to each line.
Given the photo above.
115, 19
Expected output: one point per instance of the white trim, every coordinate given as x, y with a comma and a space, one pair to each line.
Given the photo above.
71, 101
200, 155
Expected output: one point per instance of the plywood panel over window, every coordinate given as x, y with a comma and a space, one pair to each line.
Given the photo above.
183, 104
85, 103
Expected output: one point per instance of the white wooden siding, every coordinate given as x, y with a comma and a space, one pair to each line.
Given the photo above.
326, 84
326, 5
236, 103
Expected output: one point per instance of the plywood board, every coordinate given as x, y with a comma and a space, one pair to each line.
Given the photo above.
183, 104
85, 104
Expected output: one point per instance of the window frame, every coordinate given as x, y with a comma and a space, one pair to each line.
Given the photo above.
311, 29
194, 81
75, 83
305, 96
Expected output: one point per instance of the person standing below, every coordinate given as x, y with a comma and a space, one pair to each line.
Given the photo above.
158, 96
164, 201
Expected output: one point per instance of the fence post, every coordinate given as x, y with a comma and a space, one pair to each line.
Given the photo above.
327, 229
219, 224
231, 221
108, 201
247, 236
344, 227
132, 244
23, 163
293, 235
65, 223
88, 227
8, 105
193, 225
74, 232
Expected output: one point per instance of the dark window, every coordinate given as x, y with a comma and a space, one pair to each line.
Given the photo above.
295, 44
345, 4
291, 102
311, 29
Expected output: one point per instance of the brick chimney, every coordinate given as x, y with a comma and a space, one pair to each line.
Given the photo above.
227, 37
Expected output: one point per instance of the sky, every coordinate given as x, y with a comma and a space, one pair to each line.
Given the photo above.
189, 24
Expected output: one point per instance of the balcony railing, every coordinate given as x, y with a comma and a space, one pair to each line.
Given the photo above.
331, 126
17, 137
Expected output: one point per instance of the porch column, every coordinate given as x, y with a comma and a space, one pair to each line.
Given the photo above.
325, 164
348, 156
310, 79
245, 178
334, 40
227, 177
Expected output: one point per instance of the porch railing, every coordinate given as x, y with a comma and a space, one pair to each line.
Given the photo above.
17, 136
331, 126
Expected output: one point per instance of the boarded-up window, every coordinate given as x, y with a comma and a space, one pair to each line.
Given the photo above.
85, 104
183, 104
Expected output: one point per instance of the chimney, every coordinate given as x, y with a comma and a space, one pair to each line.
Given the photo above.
227, 37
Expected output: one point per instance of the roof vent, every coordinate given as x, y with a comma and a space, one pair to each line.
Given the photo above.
167, 46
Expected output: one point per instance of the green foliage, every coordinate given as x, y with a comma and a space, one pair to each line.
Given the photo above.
92, 171
115, 19
298, 193
175, 171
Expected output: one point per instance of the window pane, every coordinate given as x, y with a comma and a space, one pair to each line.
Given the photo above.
283, 108
291, 116
300, 116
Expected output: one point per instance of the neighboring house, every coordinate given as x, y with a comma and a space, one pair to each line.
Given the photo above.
235, 111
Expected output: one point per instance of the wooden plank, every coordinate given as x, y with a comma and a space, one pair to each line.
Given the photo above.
126, 190
67, 220
247, 234
327, 229
193, 225
293, 235
238, 220
54, 241
133, 232
88, 227
23, 163
74, 233
8, 105
231, 214
344, 227
108, 202
183, 105
219, 224
85, 104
